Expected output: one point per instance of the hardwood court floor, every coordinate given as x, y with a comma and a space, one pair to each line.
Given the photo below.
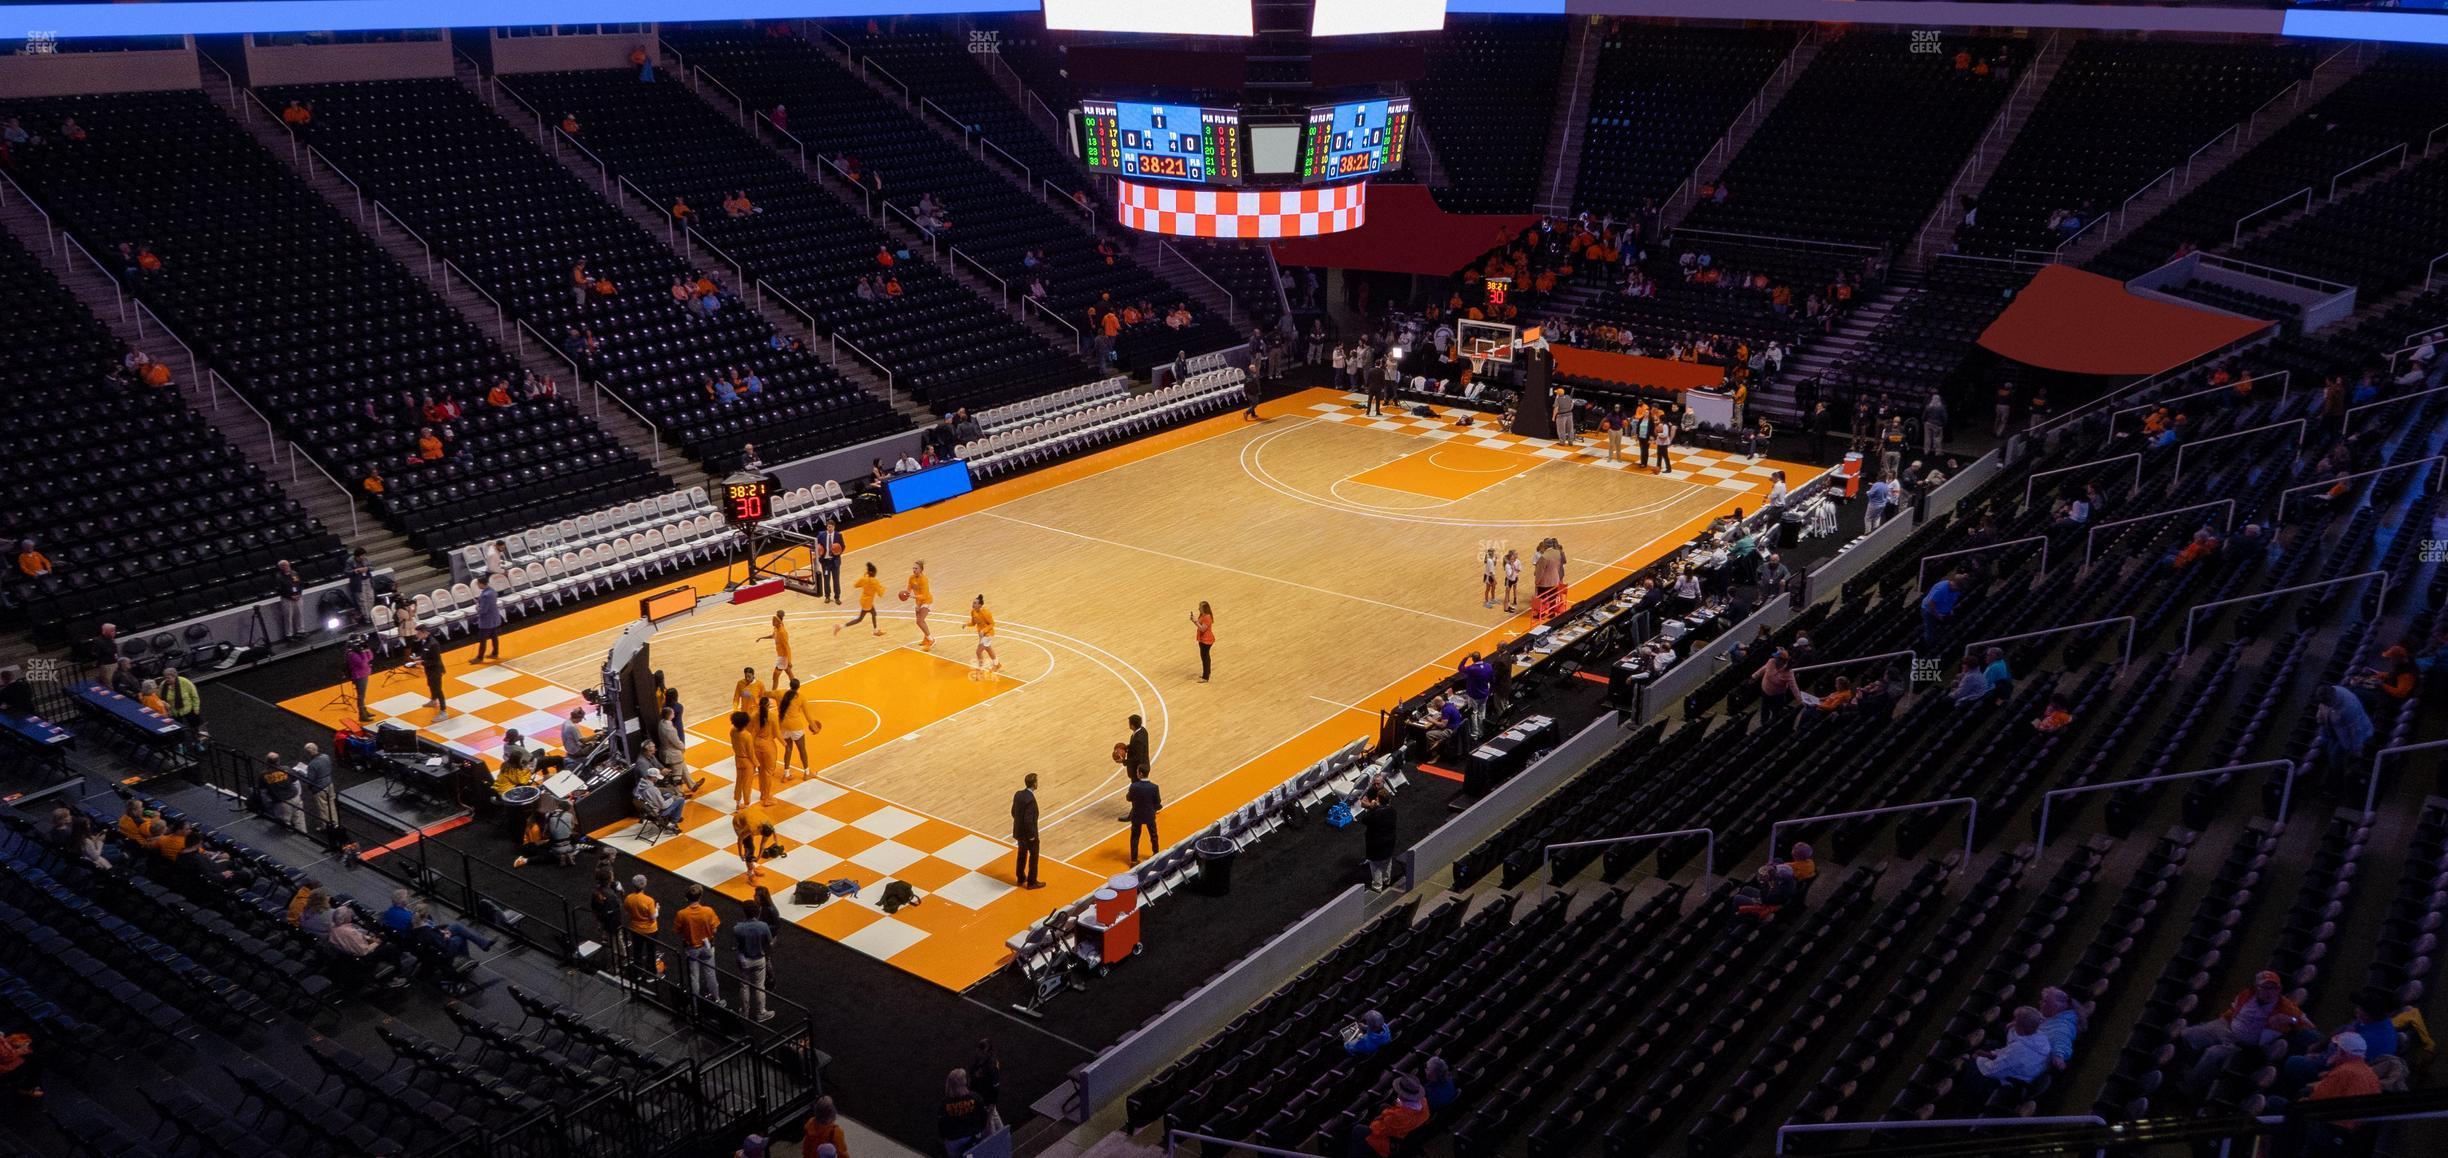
1341, 556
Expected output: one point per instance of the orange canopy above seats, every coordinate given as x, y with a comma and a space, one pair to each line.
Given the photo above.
2082, 323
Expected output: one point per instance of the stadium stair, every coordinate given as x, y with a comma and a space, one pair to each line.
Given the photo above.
1938, 234
1713, 163
1561, 168
333, 507
2333, 71
1823, 354
656, 223
459, 295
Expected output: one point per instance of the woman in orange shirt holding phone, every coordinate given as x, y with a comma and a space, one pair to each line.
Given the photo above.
1204, 621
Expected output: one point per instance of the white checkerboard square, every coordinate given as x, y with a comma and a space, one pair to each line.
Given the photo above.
973, 851
804, 863
812, 793
460, 724
474, 700
887, 857
486, 676
881, 939
974, 891
888, 821
545, 697
399, 705
713, 868
806, 826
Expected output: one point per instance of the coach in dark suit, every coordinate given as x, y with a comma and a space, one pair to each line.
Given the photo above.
1144, 804
1024, 834
1136, 759
428, 651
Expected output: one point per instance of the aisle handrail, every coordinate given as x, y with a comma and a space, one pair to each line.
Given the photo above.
2092, 536
1971, 820
2286, 795
1708, 852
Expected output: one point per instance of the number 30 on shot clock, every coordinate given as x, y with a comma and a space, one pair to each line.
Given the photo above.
746, 498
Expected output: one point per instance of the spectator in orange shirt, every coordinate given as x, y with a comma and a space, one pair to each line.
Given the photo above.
696, 924
1406, 1113
429, 446
892, 287
297, 115
374, 484
884, 256
499, 396
680, 210
1113, 324
33, 563
569, 123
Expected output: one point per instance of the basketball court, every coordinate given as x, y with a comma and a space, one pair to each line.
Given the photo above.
1340, 552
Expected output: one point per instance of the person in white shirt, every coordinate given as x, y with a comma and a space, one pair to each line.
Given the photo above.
2023, 1057
907, 464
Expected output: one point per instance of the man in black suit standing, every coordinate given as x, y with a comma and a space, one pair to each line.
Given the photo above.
1144, 804
1136, 760
1024, 834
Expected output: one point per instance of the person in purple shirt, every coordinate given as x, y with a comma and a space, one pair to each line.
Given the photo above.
488, 620
360, 660
1478, 682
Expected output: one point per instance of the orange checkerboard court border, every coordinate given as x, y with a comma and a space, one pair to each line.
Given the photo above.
970, 907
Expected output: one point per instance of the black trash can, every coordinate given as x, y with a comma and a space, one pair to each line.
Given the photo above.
1216, 855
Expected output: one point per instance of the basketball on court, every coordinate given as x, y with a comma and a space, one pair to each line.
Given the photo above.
1121, 753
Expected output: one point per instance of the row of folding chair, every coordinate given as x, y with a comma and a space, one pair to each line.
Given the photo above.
579, 574
594, 529
999, 417
1074, 432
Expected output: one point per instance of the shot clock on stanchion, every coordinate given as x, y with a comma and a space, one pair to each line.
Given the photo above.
747, 498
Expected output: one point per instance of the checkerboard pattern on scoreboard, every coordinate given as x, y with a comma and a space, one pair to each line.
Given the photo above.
1733, 472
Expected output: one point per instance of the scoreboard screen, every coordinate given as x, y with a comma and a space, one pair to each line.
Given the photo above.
1161, 142
1354, 139
746, 498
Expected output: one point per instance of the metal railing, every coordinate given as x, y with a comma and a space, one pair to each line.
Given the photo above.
928, 103
501, 315
691, 239
1936, 1124
1027, 176
864, 356
2093, 536
934, 243
1908, 656
1921, 576
2034, 481
2346, 421
578, 380
50, 232
2286, 794
738, 105
2286, 385
2273, 273
314, 154
1230, 302
671, 224
1708, 851
2435, 461
2194, 612
2087, 409
2303, 430
787, 135
1044, 187
846, 51
1078, 342
381, 211
868, 64
1971, 821
2371, 793
982, 271
118, 290
1947, 203
229, 84
1173, 1139
277, 122
2237, 238
2431, 271
2398, 148
195, 368
2132, 628
1741, 123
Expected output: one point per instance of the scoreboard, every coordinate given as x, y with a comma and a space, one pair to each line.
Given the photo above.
1354, 139
1161, 142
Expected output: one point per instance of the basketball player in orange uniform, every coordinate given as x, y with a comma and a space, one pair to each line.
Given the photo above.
754, 827
782, 651
744, 693
869, 588
921, 596
765, 735
797, 722
743, 761
982, 621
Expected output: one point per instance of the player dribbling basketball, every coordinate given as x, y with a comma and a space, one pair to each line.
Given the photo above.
921, 595
870, 589
982, 621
